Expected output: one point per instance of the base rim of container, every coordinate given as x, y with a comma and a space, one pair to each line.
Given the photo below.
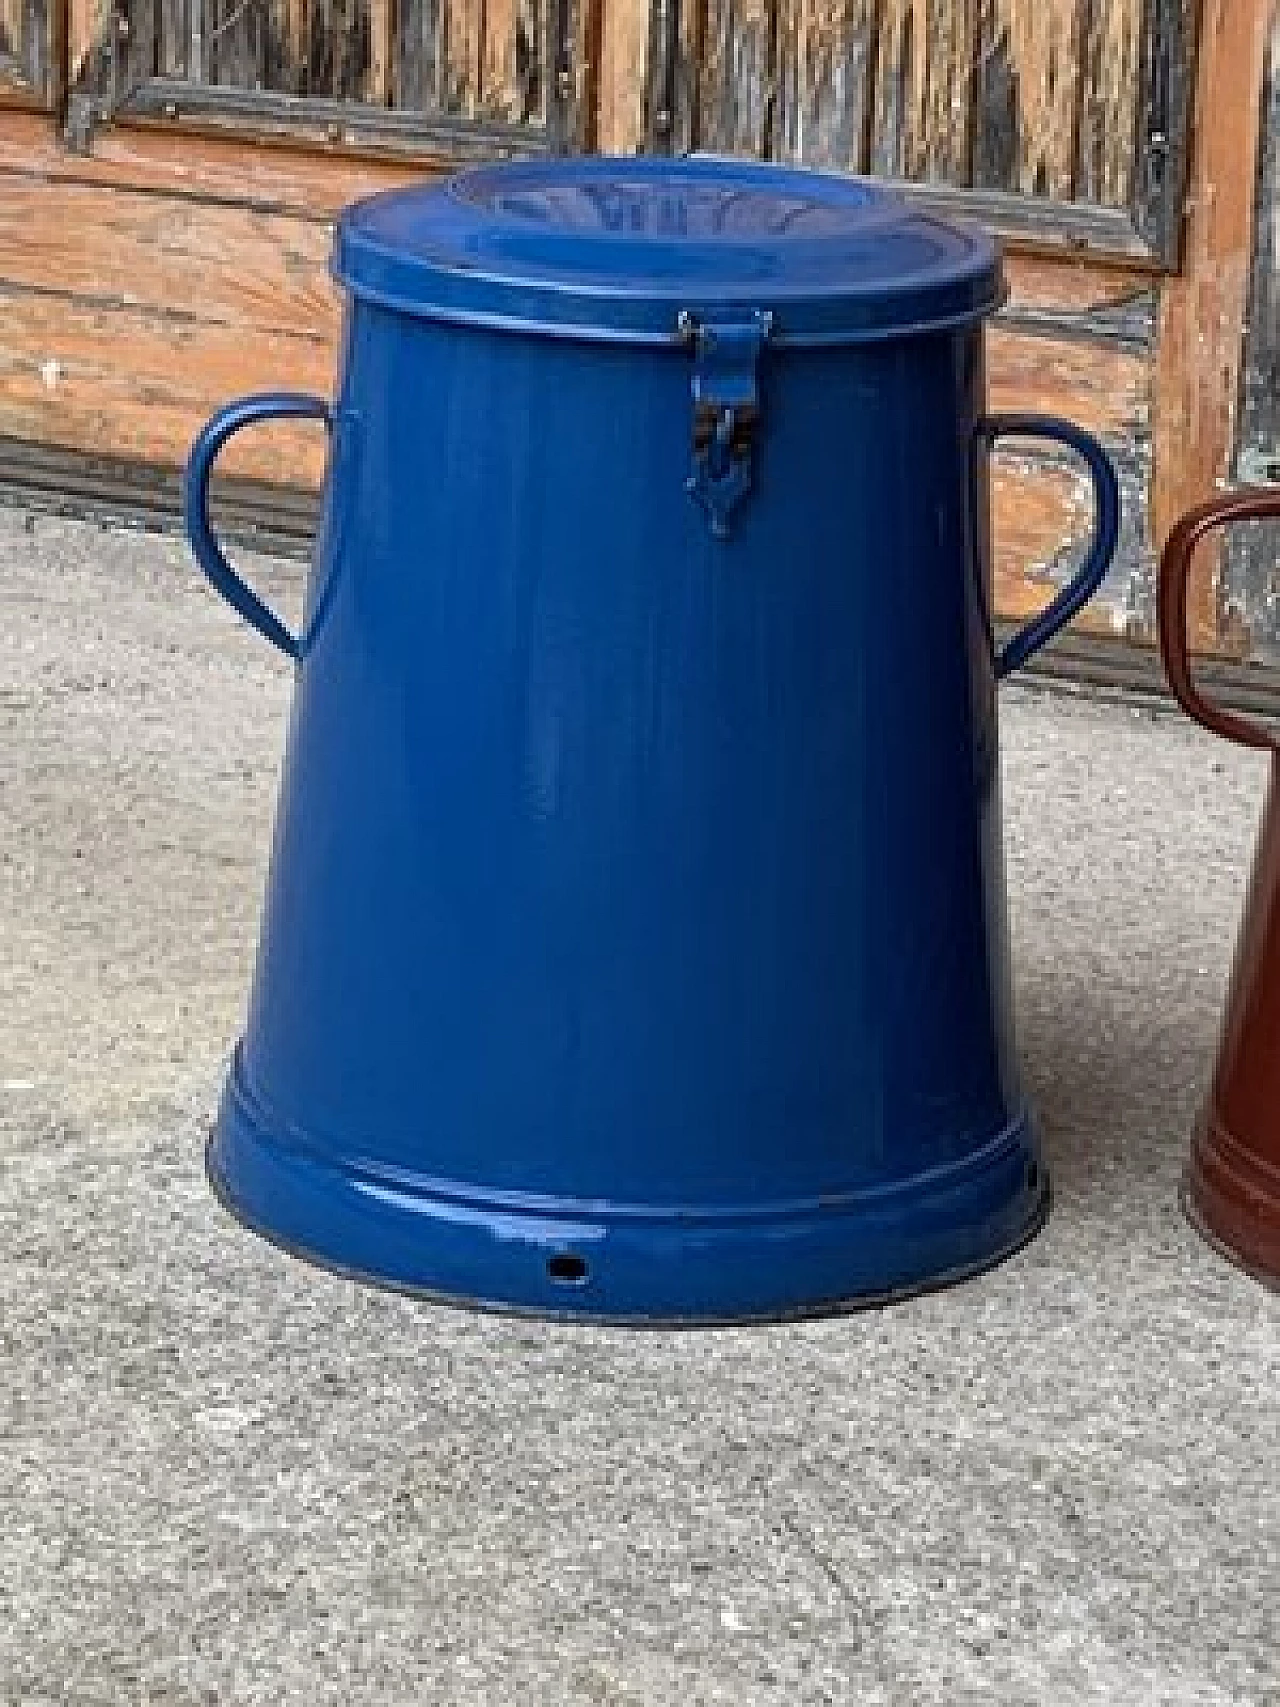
670, 1271
1232, 1202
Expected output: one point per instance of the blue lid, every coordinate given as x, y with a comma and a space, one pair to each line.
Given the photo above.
618, 248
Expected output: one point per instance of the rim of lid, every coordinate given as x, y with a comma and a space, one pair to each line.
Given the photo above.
617, 248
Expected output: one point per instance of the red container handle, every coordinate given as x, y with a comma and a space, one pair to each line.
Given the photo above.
1248, 504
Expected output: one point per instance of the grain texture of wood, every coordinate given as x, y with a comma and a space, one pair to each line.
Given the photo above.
289, 67
84, 28
1040, 515
826, 54
1110, 104
1202, 315
377, 77
463, 49
419, 68
924, 89
1074, 285
250, 174
624, 48
1103, 388
1252, 563
210, 265
26, 47
1029, 88
171, 37
737, 86
513, 75
139, 383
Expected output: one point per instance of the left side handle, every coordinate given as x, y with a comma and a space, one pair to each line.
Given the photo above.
270, 405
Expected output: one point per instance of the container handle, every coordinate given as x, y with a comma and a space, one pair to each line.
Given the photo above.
1248, 504
269, 405
1106, 528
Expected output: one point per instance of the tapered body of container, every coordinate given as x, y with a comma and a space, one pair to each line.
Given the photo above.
635, 937
1231, 1189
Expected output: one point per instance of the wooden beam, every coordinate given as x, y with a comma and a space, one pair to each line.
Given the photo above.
1202, 316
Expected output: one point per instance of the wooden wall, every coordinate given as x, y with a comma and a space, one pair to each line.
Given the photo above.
1253, 573
148, 280
482, 59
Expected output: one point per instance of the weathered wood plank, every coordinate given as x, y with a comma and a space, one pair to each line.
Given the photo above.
416, 78
1252, 576
924, 91
376, 87
12, 45
463, 52
826, 51
288, 45
172, 33
26, 47
1103, 388
1110, 105
226, 265
1029, 83
1202, 314
1077, 285
1039, 514
624, 49
63, 381
738, 82
84, 18
498, 94
313, 185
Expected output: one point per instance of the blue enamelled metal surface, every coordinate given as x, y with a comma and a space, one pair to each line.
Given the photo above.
634, 942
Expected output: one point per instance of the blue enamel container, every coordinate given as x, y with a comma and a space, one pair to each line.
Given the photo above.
634, 942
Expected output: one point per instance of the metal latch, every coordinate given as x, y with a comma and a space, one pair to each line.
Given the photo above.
726, 411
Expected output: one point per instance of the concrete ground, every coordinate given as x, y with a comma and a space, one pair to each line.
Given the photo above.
225, 1478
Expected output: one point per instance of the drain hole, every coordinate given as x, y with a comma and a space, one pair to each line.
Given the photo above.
568, 1269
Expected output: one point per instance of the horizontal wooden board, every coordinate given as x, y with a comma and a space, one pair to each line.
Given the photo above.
224, 265
138, 383
1077, 285
1100, 387
159, 161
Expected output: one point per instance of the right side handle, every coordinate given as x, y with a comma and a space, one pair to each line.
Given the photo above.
1248, 504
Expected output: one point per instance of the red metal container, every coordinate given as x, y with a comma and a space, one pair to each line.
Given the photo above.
1231, 1189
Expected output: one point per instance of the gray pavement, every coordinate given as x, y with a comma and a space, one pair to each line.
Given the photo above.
225, 1478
